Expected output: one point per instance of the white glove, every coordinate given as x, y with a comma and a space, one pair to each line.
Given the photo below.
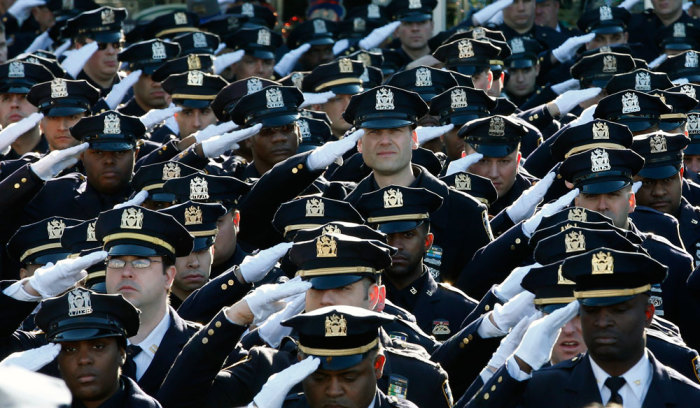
213, 130
567, 50
567, 85
570, 99
289, 60
138, 199
661, 58
526, 204
216, 146
155, 116
530, 226
463, 164
585, 117
220, 48
277, 387
223, 61
485, 14
687, 6
74, 62
510, 287
116, 95
680, 81
272, 331
510, 313
508, 345
636, 186
62, 48
255, 267
628, 4
52, 280
536, 347
267, 299
311, 98
340, 46
426, 133
56, 161
322, 156
21, 9
42, 42
378, 35
17, 129
32, 359
497, 18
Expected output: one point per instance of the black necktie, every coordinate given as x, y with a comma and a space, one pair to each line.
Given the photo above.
614, 384
129, 368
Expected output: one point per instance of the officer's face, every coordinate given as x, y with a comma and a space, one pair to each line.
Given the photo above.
615, 333
454, 145
250, 66
44, 16
225, 244
103, 64
149, 94
570, 342
414, 35
362, 293
192, 271
412, 246
663, 195
388, 151
497, 84
520, 15
547, 13
56, 129
275, 144
190, 120
315, 56
607, 39
335, 108
90, 368
521, 82
354, 387
500, 170
145, 288
667, 8
692, 162
14, 107
108, 172
616, 205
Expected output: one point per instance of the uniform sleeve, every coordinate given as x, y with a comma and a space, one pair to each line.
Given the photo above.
204, 303
12, 313
18, 189
162, 154
501, 390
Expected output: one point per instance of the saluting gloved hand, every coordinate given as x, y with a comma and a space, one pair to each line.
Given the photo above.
485, 14
277, 387
567, 85
52, 280
17, 129
322, 156
463, 164
62, 48
311, 98
272, 331
155, 116
508, 345
56, 161
636, 186
530, 226
118, 91
75, 62
42, 42
628, 4
255, 267
32, 359
585, 116
138, 199
497, 18
289, 60
216, 146
340, 46
510, 287
535, 349
21, 9
567, 50
223, 61
510, 313
214, 130
378, 35
661, 58
267, 299
427, 133
570, 99
525, 205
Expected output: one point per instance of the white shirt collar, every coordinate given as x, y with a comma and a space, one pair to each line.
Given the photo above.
149, 345
637, 381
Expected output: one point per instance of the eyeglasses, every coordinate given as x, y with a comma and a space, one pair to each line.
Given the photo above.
116, 45
141, 263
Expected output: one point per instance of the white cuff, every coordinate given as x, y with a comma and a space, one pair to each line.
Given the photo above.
515, 371
16, 291
488, 330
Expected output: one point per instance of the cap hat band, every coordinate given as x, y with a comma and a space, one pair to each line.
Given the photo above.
400, 217
207, 233
140, 237
335, 271
341, 81
553, 300
339, 352
590, 146
299, 227
177, 30
584, 294
193, 96
39, 249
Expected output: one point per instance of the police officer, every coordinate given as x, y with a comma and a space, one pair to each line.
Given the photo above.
416, 28
259, 44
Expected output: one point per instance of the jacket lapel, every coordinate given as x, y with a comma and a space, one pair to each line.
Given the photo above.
660, 393
582, 385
